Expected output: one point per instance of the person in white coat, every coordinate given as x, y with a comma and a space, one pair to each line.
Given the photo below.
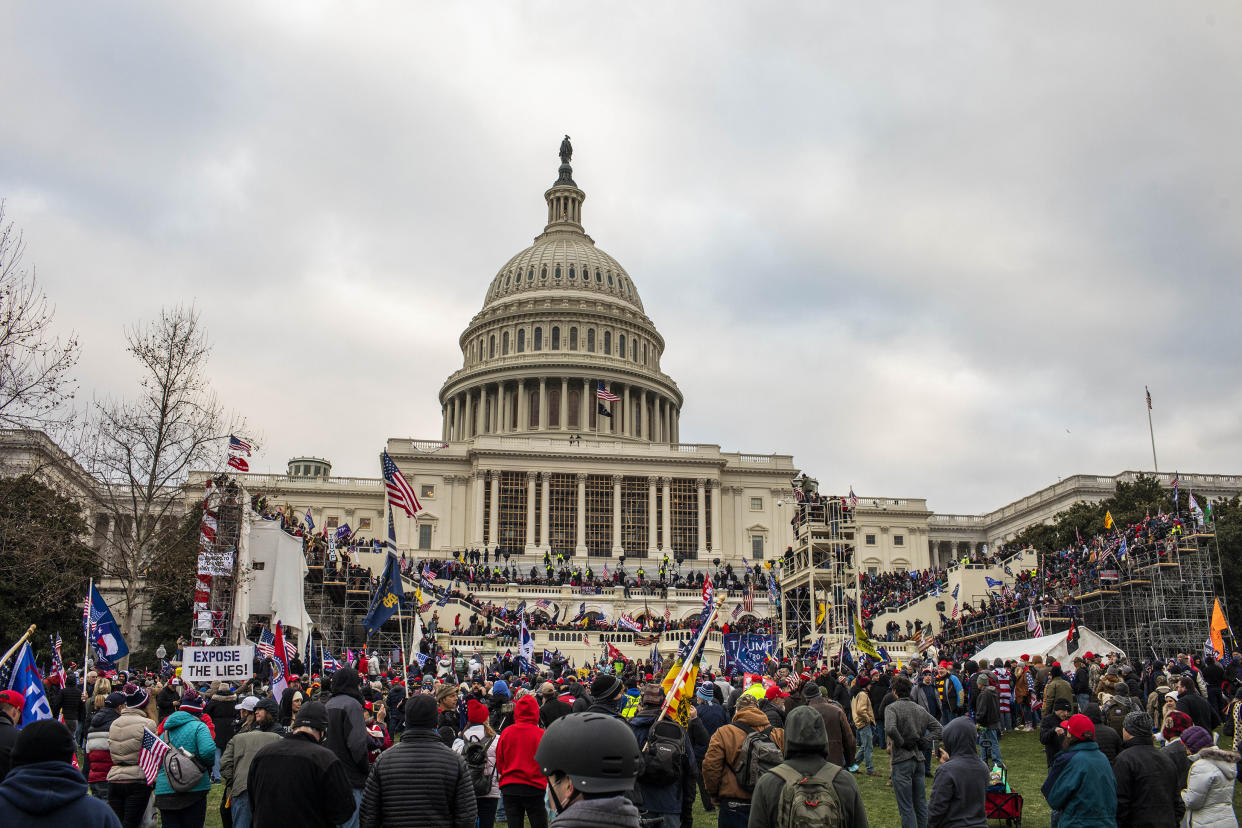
1209, 787
479, 731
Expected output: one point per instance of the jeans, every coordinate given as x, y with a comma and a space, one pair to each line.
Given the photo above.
215, 768
485, 805
989, 743
1006, 721
865, 748
879, 735
1083, 700
946, 716
911, 794
353, 820
927, 752
734, 813
240, 808
128, 800
667, 820
520, 806
191, 816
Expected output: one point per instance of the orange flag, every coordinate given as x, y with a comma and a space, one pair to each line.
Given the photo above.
1219, 625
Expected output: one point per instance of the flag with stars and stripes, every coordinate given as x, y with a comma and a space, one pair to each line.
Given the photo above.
399, 492
604, 394
151, 756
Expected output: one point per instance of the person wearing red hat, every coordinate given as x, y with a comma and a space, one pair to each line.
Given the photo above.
1080, 783
11, 704
481, 739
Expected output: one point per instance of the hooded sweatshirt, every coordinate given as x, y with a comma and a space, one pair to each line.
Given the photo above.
515, 749
347, 730
806, 751
960, 789
53, 795
590, 813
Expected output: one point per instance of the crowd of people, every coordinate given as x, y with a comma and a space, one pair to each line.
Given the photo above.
1126, 745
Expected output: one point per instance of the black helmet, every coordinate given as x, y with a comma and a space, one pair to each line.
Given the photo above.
598, 753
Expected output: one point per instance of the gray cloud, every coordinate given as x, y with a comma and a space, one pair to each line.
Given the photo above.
916, 243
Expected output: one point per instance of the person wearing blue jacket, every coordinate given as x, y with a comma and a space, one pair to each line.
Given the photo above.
44, 789
672, 802
1081, 789
184, 729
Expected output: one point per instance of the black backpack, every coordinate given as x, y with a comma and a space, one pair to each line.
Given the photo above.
757, 755
664, 753
475, 754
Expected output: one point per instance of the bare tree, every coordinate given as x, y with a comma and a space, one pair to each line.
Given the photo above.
35, 383
142, 450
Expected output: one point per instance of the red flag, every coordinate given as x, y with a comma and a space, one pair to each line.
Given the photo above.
239, 463
615, 654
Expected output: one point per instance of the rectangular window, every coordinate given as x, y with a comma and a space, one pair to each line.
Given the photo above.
873, 571
424, 536
331, 523
756, 504
599, 515
512, 517
684, 517
364, 524
562, 513
756, 547
899, 540
634, 523
870, 540
257, 565
427, 491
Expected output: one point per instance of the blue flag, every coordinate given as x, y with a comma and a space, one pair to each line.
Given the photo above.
26, 680
955, 589
993, 582
310, 521
104, 633
848, 661
816, 649
387, 598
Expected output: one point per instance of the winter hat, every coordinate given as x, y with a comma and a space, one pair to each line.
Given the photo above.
313, 715
43, 741
420, 712
1194, 738
191, 701
500, 688
476, 712
1177, 723
705, 692
270, 706
1080, 727
606, 687
114, 699
1138, 723
135, 696
653, 695
445, 692
811, 690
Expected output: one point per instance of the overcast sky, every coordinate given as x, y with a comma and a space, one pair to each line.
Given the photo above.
931, 250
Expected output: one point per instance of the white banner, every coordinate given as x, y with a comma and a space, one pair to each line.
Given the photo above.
229, 664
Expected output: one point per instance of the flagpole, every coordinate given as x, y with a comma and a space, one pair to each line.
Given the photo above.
1151, 432
695, 646
401, 635
86, 631
19, 643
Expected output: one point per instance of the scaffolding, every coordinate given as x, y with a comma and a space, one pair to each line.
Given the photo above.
338, 595
224, 504
819, 578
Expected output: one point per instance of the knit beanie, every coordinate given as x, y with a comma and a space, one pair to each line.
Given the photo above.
653, 695
445, 692
1137, 724
135, 696
500, 688
191, 701
476, 712
43, 741
606, 687
421, 712
1194, 738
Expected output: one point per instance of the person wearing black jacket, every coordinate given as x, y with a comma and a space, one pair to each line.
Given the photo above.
1053, 721
168, 698
1108, 739
11, 704
286, 698
550, 707
959, 793
987, 717
347, 733
1213, 677
296, 781
1195, 706
419, 782
1147, 791
72, 706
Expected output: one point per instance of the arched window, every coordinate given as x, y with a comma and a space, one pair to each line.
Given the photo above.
574, 399
538, 339
543, 272
598, 278
644, 353
590, 340
521, 343
634, 350
508, 276
534, 408
557, 274
504, 343
530, 275
556, 338
491, 347
621, 345
610, 278
571, 271
554, 406
573, 339
480, 347
608, 343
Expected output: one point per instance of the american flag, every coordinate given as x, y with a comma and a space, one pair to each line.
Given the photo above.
58, 665
543, 603
853, 499
955, 612
748, 603
737, 610
668, 614
709, 592
151, 757
399, 491
239, 445
604, 394
267, 645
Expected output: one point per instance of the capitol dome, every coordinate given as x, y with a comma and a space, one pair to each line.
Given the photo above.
558, 319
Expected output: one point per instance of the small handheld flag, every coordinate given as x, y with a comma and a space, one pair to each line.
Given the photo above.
151, 756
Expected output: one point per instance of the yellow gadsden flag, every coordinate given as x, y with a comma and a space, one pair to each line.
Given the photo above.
1219, 625
862, 642
819, 616
1108, 520
682, 699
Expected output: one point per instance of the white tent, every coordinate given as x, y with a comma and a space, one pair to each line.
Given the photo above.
276, 572
1051, 647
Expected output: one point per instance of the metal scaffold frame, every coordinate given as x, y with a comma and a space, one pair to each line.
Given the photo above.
819, 569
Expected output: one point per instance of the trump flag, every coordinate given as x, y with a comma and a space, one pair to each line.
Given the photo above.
26, 680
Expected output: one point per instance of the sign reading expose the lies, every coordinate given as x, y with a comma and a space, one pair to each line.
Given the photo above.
231, 664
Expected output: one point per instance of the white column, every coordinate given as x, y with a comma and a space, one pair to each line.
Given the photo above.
667, 522
616, 515
701, 524
479, 410
629, 415
584, 408
503, 394
543, 403
657, 430
716, 548
493, 524
530, 511
580, 547
643, 420
544, 546
651, 517
476, 534
523, 406
564, 403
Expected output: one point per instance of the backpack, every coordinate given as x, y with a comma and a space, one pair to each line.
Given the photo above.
758, 755
664, 753
182, 769
808, 801
475, 754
